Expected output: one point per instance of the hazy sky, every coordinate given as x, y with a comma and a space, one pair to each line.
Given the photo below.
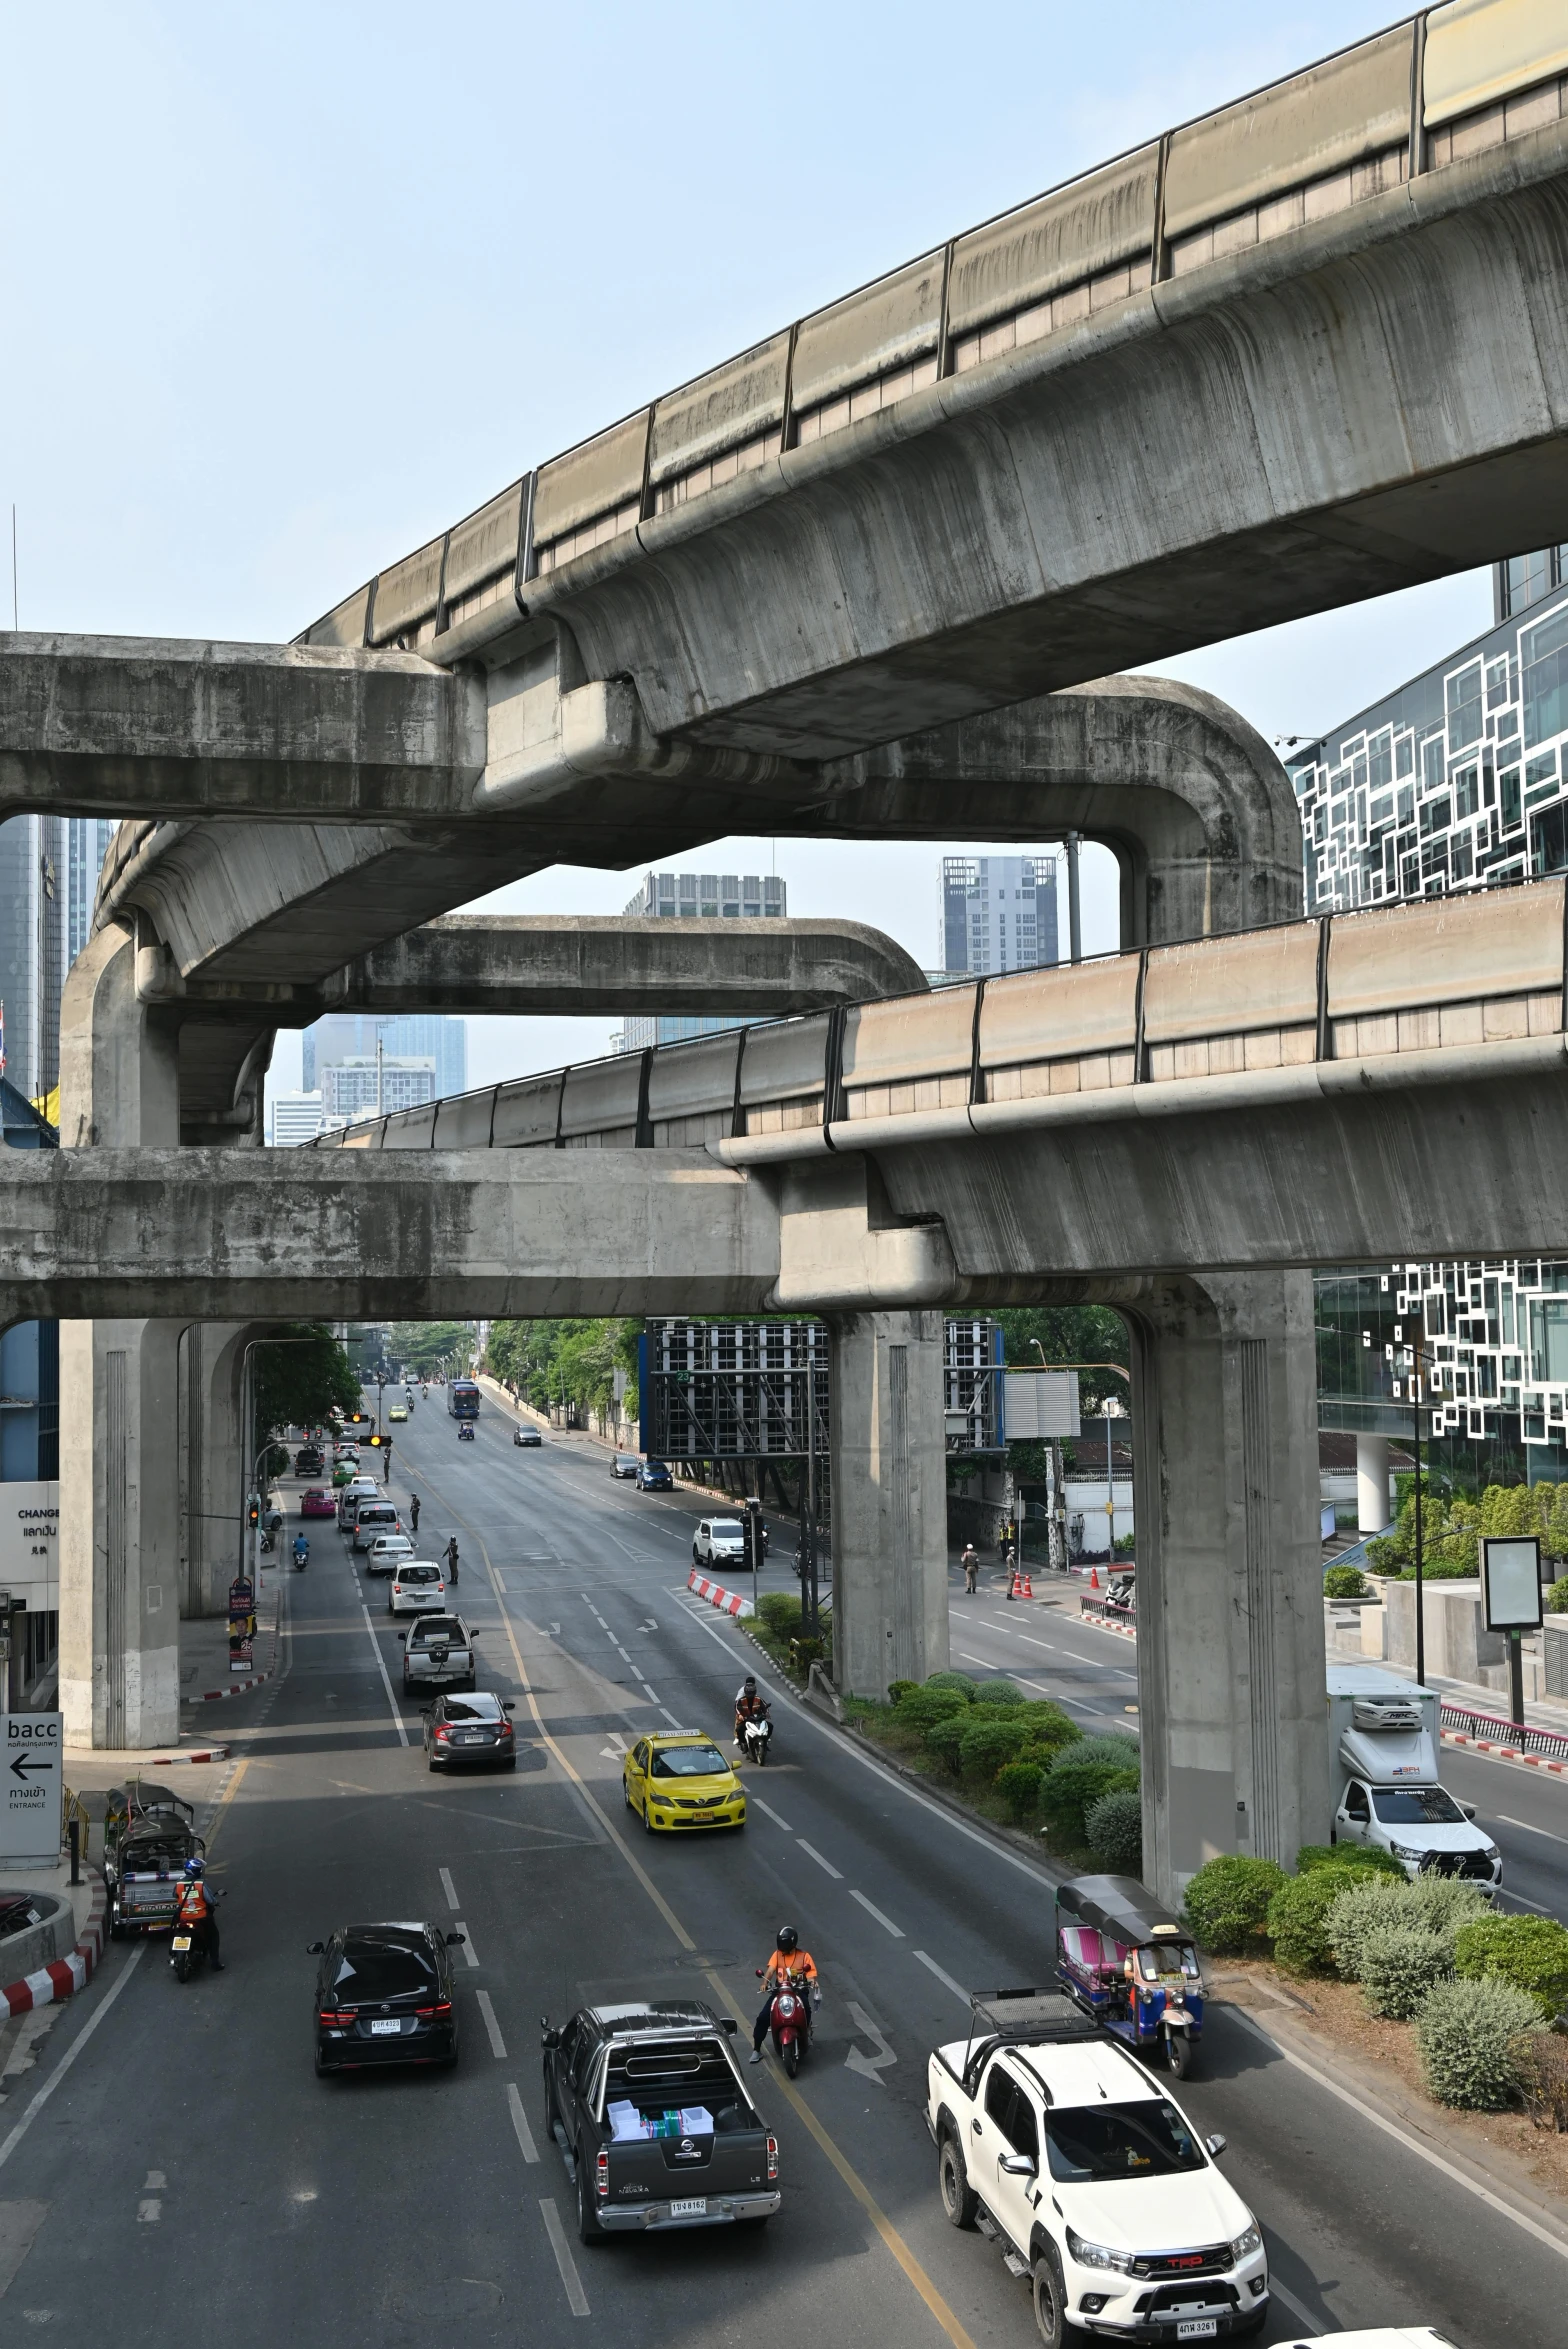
288, 290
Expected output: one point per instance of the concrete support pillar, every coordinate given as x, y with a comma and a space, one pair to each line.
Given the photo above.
1372, 1509
889, 1488
120, 1581
211, 1458
1230, 1589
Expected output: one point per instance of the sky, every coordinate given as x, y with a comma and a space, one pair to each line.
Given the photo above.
287, 291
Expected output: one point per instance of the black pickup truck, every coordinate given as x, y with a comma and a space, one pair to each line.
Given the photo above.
649, 2108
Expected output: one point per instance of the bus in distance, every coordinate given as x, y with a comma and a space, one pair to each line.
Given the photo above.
462, 1399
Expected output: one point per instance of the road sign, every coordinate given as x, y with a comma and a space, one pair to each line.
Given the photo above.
30, 1776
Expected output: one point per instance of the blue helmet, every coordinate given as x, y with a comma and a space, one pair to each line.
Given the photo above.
193, 1867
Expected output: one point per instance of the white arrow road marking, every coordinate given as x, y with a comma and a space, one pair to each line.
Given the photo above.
615, 1751
869, 2066
650, 1625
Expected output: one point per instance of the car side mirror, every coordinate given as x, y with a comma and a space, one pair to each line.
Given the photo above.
453, 1939
1214, 2146
547, 2037
1469, 1810
508, 1707
315, 1949
425, 1712
1017, 2165
728, 2025
402, 1639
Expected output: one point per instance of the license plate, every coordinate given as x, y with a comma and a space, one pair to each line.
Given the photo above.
695, 2206
181, 1941
1197, 2328
393, 2030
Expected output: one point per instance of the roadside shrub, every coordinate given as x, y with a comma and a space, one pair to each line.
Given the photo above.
897, 1690
991, 1738
1114, 1827
943, 1736
1399, 1965
1298, 1918
1360, 1910
1227, 1903
921, 1707
999, 1692
1344, 1582
1443, 1903
956, 1683
1074, 1782
1529, 1952
1365, 1856
1541, 2058
1050, 1729
1469, 2035
1115, 1748
1557, 1597
781, 1614
1019, 1786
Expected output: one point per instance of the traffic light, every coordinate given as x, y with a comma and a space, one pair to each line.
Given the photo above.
253, 1511
752, 1529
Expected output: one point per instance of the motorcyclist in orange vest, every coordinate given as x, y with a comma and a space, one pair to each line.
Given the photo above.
750, 1705
789, 1968
193, 1908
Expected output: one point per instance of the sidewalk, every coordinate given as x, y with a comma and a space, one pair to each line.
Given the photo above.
204, 1641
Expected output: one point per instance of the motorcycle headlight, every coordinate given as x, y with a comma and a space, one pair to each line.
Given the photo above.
1245, 2245
1097, 2254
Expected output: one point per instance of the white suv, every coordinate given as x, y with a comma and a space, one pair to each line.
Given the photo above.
417, 1589
718, 1541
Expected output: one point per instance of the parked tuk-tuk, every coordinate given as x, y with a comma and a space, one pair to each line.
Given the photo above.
1131, 1965
148, 1835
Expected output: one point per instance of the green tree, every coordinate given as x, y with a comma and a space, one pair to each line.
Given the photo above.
300, 1384
549, 1361
1070, 1333
425, 1345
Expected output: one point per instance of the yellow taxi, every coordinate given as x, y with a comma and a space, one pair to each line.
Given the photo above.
680, 1778
398, 1412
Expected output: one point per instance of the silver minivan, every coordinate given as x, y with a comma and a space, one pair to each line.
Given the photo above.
373, 1517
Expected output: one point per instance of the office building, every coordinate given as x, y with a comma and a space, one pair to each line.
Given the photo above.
714, 897
373, 1084
998, 913
48, 880
1456, 781
296, 1118
345, 1036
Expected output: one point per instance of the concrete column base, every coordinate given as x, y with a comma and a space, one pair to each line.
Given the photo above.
889, 1471
212, 1449
119, 1533
1230, 1587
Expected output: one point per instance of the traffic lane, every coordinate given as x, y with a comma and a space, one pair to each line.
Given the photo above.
886, 2132
196, 2120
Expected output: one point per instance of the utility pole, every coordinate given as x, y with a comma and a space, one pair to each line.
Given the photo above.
1415, 1390
1074, 910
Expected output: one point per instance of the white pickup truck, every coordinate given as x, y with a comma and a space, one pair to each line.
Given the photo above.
1056, 2143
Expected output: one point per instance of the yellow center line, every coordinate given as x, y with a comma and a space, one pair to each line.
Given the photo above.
890, 2235
224, 1800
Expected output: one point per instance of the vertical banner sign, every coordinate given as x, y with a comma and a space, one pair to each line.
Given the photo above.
32, 1777
242, 1624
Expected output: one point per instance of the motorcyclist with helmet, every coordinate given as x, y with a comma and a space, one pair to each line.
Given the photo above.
750, 1705
789, 1968
193, 1908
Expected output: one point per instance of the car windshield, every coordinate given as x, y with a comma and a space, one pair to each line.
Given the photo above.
1168, 1957
688, 1761
434, 1627
483, 1707
1416, 1806
1148, 2139
656, 1468
384, 1965
726, 1529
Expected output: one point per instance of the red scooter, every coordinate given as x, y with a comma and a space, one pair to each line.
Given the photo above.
790, 2026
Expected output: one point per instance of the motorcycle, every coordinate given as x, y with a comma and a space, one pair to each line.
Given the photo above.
188, 1949
790, 2026
757, 1736
301, 1553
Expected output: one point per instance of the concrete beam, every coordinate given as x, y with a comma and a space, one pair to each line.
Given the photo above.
534, 963
231, 1235
164, 728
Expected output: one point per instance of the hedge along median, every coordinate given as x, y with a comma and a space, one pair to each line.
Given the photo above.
1016, 1759
1477, 1989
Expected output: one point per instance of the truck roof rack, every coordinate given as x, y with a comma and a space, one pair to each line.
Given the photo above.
1013, 2017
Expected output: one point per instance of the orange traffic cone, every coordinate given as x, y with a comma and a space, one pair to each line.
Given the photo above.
1028, 1589
1094, 1578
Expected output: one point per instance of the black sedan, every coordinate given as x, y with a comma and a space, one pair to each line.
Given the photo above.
469, 1728
384, 1996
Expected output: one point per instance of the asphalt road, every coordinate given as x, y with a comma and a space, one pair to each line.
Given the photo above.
186, 2171
1053, 1651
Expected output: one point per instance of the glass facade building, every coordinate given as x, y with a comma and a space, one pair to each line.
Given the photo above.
1455, 781
349, 1036
709, 897
998, 913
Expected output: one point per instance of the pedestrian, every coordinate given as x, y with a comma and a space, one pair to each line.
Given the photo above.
1010, 1563
971, 1565
451, 1559
413, 1512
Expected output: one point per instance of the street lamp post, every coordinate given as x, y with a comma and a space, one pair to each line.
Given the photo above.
247, 1418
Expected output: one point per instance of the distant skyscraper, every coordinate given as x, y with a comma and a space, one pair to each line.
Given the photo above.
998, 913
296, 1118
345, 1036
712, 897
368, 1086
32, 948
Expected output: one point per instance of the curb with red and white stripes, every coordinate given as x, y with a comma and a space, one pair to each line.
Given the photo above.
64, 1976
1499, 1752
728, 1602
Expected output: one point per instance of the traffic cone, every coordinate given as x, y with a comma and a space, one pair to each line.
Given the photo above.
1094, 1578
1028, 1589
